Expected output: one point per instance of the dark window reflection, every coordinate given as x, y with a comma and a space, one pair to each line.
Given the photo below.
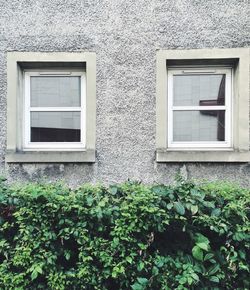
220, 101
54, 135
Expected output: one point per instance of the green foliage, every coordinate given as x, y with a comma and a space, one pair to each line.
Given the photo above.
128, 236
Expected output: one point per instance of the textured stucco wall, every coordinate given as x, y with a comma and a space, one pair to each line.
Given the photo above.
125, 36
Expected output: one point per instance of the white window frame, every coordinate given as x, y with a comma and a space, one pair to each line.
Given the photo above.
50, 146
204, 70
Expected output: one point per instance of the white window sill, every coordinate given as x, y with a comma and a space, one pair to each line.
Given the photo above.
87, 156
163, 155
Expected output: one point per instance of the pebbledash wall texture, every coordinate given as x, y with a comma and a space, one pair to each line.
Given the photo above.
125, 35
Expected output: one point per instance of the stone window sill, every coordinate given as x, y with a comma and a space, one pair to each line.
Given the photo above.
87, 156
202, 156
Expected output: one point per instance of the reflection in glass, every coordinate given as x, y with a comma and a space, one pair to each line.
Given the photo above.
199, 90
55, 127
55, 91
198, 126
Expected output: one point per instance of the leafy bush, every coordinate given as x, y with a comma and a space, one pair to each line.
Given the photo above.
128, 236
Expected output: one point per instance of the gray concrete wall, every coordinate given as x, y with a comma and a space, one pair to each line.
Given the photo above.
125, 36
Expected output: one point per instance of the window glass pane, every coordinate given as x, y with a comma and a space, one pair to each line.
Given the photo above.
55, 91
199, 90
55, 126
198, 126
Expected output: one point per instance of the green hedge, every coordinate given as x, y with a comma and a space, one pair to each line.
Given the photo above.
128, 236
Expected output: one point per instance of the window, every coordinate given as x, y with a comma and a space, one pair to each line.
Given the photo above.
54, 110
202, 105
199, 107
51, 107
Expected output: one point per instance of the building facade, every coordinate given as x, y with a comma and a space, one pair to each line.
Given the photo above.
110, 90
